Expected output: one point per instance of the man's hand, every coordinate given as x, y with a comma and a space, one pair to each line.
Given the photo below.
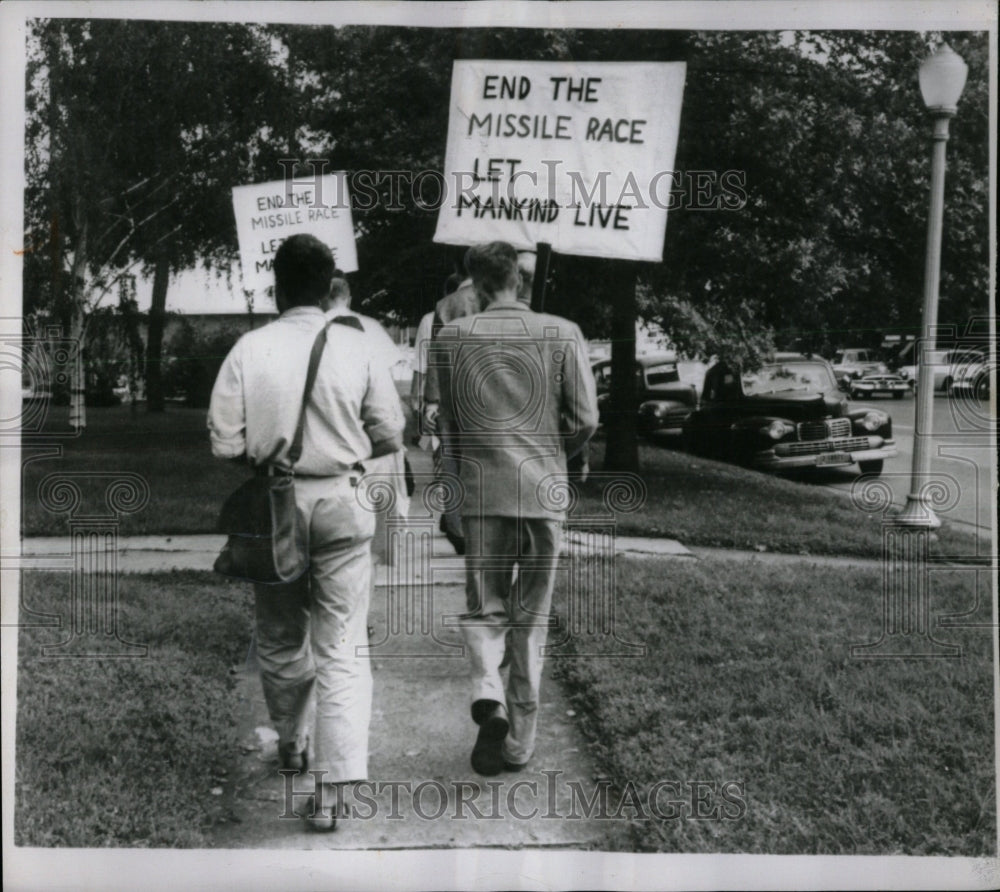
431, 412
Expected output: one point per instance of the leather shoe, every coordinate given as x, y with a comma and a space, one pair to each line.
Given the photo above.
487, 758
290, 759
456, 542
320, 819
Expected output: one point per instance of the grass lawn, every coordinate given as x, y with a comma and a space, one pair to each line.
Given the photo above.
695, 500
748, 678
704, 502
126, 752
170, 451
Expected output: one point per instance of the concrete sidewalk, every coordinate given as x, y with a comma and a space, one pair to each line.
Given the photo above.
422, 791
150, 554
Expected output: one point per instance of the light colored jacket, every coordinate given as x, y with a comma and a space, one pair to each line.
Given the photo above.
518, 395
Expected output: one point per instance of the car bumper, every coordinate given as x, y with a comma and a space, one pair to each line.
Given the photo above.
664, 425
968, 386
868, 389
830, 458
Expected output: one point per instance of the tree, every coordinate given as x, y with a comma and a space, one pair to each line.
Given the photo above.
823, 134
137, 132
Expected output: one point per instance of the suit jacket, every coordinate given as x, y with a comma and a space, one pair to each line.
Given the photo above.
517, 395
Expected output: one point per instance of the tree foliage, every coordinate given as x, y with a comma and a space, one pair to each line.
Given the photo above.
136, 133
826, 131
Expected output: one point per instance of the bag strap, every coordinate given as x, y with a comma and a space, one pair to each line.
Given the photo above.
314, 357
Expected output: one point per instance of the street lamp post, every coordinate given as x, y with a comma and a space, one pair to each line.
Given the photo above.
942, 79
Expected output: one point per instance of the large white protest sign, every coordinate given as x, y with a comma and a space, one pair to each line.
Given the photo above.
579, 155
267, 213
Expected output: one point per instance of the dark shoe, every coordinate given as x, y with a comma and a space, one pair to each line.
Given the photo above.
320, 819
487, 758
456, 542
290, 759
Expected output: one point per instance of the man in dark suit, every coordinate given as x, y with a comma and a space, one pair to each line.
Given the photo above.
518, 395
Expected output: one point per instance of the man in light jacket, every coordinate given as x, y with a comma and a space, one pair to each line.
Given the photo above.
518, 394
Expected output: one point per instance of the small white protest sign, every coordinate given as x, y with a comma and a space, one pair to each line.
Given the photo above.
267, 213
576, 154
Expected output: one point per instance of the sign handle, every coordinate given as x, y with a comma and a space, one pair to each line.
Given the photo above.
543, 253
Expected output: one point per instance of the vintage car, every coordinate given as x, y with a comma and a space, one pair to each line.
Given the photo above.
667, 390
852, 363
947, 366
879, 385
786, 414
971, 379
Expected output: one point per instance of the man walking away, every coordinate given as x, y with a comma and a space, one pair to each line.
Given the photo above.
318, 690
517, 391
384, 352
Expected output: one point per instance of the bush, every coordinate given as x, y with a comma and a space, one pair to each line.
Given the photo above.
194, 362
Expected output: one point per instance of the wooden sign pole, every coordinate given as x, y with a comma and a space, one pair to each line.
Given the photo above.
543, 253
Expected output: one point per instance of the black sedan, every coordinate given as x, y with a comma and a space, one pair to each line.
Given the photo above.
787, 414
667, 392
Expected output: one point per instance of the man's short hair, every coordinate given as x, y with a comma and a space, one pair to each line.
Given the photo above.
303, 269
493, 266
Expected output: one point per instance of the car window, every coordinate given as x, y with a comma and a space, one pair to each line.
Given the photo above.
663, 373
781, 378
602, 378
721, 384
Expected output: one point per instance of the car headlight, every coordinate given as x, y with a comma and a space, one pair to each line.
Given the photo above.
874, 420
777, 429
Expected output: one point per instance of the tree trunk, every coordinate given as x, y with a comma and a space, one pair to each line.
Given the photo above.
78, 370
622, 450
154, 342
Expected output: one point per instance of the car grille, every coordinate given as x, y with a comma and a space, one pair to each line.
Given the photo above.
815, 447
824, 430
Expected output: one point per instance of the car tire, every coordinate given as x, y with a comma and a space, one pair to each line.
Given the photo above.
854, 394
873, 466
898, 395
691, 442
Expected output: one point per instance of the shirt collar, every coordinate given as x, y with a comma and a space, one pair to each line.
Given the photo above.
293, 312
513, 305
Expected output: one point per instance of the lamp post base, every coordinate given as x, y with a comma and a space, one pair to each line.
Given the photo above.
917, 513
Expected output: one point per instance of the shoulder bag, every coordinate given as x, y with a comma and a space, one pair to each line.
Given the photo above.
267, 543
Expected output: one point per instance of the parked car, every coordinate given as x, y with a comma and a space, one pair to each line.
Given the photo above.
667, 391
787, 414
879, 385
971, 379
947, 366
856, 362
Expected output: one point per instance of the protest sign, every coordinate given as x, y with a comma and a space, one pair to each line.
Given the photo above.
578, 155
267, 213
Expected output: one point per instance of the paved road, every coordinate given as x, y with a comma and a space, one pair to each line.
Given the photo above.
964, 459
